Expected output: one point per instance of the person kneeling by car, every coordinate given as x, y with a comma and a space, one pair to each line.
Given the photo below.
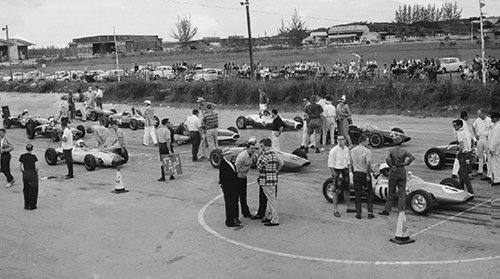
120, 143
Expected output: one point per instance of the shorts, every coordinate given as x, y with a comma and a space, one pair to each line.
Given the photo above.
342, 184
314, 125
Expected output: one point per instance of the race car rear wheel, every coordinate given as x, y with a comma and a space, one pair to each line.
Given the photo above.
328, 189
399, 130
104, 121
301, 153
124, 155
299, 119
421, 202
377, 140
241, 122
435, 159
452, 182
54, 135
82, 130
30, 129
93, 116
90, 162
216, 158
134, 124
156, 121
233, 129
51, 156
7, 123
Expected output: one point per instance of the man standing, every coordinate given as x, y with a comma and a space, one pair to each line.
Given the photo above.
243, 164
101, 135
305, 136
361, 158
464, 117
64, 113
90, 98
28, 165
463, 154
98, 97
263, 101
6, 147
482, 129
314, 122
228, 180
330, 113
193, 124
338, 163
67, 146
343, 115
164, 145
149, 126
397, 160
495, 149
277, 129
269, 164
211, 123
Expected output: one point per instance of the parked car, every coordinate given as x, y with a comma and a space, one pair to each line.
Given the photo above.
210, 74
111, 75
4, 76
163, 72
450, 64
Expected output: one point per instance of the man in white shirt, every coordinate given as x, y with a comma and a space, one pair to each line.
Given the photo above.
495, 149
482, 129
339, 160
329, 112
193, 124
464, 117
463, 155
98, 97
244, 162
67, 146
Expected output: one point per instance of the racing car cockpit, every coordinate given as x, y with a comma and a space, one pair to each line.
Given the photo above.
81, 144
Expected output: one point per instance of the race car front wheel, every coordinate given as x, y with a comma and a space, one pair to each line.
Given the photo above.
90, 162
51, 156
54, 135
452, 182
377, 140
328, 189
421, 202
241, 122
435, 159
216, 158
134, 124
7, 123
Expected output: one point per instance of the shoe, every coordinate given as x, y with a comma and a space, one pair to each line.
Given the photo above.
265, 220
306, 150
144, 144
317, 150
202, 157
384, 213
271, 224
172, 177
8, 185
486, 179
495, 184
26, 208
237, 222
248, 216
257, 217
312, 147
161, 179
68, 176
358, 216
350, 210
12, 182
336, 214
371, 216
156, 144
322, 149
454, 176
302, 147
33, 208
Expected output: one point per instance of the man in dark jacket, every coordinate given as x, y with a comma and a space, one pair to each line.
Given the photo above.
228, 180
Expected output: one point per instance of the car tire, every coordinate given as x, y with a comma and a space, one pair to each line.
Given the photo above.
113, 111
216, 158
299, 119
301, 153
421, 202
124, 155
443, 70
157, 121
51, 156
328, 188
30, 129
241, 122
7, 123
104, 121
82, 130
93, 116
90, 162
399, 130
233, 129
435, 159
452, 182
377, 140
54, 135
134, 124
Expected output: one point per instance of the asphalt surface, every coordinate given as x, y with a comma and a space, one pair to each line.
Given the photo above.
176, 229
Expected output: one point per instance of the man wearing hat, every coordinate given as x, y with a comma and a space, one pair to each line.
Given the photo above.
228, 182
339, 159
211, 123
149, 126
343, 115
495, 148
263, 101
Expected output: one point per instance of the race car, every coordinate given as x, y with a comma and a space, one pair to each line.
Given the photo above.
438, 157
51, 129
376, 136
90, 157
223, 135
95, 113
265, 121
421, 195
134, 120
20, 120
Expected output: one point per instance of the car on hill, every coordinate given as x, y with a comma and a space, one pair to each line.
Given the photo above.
4, 76
450, 64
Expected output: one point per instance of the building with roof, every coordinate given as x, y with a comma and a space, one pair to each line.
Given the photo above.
347, 33
101, 44
18, 49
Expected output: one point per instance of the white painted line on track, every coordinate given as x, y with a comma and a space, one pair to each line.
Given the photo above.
455, 216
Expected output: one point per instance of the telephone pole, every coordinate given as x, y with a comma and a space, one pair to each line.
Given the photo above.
247, 4
6, 29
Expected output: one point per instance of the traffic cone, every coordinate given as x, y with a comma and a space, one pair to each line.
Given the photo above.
402, 236
119, 187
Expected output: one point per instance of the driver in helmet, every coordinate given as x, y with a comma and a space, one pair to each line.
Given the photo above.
80, 143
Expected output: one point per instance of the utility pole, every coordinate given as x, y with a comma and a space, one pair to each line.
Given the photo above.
6, 28
483, 64
116, 55
247, 4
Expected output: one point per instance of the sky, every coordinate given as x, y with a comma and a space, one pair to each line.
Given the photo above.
57, 22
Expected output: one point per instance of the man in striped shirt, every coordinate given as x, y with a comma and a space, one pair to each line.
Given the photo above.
149, 126
211, 122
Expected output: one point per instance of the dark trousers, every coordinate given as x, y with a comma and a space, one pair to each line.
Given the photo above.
361, 184
30, 190
195, 138
162, 146
98, 102
242, 196
68, 157
5, 164
464, 161
397, 178
231, 203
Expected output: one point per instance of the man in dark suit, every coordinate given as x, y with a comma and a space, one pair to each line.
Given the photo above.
228, 180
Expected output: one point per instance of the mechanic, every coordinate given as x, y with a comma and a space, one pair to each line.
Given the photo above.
339, 159
164, 144
361, 158
149, 126
305, 136
228, 181
343, 116
263, 101
101, 135
181, 134
482, 130
119, 144
98, 97
314, 122
277, 130
67, 146
464, 117
244, 162
211, 123
80, 100
6, 147
64, 113
495, 149
329, 112
397, 160
193, 124
89, 98
28, 165
269, 164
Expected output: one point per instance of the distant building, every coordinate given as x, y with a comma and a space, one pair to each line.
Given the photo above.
18, 49
88, 46
346, 34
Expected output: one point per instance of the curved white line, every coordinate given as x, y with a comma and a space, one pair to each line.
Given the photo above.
202, 222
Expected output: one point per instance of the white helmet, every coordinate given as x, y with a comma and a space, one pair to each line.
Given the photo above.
80, 143
383, 166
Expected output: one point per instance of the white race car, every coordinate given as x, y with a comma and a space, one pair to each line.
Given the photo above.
266, 122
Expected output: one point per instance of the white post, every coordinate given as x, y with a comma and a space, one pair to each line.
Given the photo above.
483, 65
116, 54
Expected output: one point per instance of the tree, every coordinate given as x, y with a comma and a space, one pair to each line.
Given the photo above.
295, 30
408, 14
185, 30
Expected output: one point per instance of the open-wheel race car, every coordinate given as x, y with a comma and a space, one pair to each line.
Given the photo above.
133, 119
95, 113
51, 129
438, 157
90, 157
228, 135
421, 195
377, 136
21, 120
266, 122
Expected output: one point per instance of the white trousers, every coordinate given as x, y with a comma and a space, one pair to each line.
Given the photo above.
212, 139
202, 150
482, 151
305, 141
275, 140
456, 167
272, 202
149, 131
329, 125
495, 168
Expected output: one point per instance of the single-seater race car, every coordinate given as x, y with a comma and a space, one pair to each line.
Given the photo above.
51, 129
438, 157
134, 120
90, 157
20, 120
95, 113
264, 121
376, 136
421, 195
223, 135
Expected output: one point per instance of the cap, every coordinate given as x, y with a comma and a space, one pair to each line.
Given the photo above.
383, 166
266, 142
342, 99
200, 99
226, 151
147, 102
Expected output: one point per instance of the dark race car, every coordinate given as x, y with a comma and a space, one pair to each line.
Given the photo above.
52, 130
20, 120
134, 120
376, 136
438, 157
95, 113
265, 122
